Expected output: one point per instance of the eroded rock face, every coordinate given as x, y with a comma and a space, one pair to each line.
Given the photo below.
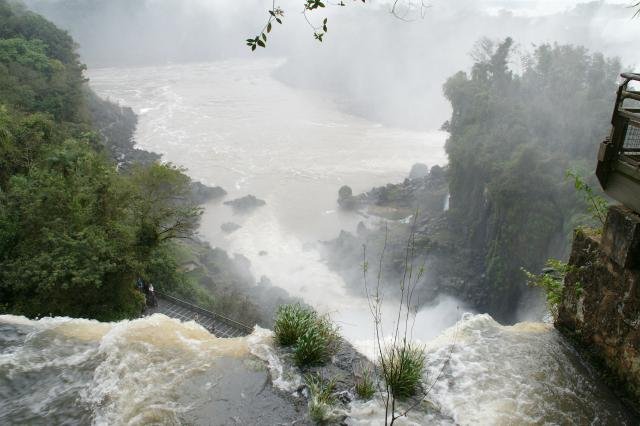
601, 298
621, 237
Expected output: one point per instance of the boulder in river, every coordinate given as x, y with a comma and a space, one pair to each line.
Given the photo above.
201, 193
346, 200
245, 204
230, 227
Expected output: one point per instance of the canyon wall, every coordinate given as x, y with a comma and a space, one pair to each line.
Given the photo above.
600, 308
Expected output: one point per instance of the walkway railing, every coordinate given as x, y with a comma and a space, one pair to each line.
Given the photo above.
219, 325
626, 119
619, 157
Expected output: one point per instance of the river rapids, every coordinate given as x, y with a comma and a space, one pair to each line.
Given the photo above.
232, 124
158, 370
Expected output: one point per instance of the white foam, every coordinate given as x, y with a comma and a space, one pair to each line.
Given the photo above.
261, 345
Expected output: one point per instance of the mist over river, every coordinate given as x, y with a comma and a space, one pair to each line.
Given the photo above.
232, 124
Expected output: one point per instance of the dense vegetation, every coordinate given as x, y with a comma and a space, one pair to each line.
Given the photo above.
74, 233
512, 138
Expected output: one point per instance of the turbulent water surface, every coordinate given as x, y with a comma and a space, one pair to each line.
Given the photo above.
158, 370
154, 370
232, 124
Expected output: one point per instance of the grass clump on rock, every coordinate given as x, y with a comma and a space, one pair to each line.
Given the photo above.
403, 369
314, 338
321, 397
365, 386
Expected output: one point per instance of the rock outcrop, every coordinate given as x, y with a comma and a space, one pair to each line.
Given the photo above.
245, 204
201, 193
600, 307
229, 227
346, 200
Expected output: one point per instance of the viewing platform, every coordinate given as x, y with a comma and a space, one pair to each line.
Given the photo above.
618, 167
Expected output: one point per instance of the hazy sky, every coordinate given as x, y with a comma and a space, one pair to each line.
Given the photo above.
387, 69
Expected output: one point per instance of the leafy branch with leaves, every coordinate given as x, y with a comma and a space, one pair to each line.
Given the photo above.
596, 204
276, 13
551, 281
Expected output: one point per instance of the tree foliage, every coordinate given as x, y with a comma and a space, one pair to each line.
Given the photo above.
512, 137
551, 281
276, 15
74, 233
597, 205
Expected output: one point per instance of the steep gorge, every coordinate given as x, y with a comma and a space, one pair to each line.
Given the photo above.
512, 138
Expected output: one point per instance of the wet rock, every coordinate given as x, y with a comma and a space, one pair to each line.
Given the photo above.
230, 227
245, 204
243, 395
345, 192
342, 369
344, 397
600, 308
201, 193
346, 200
621, 237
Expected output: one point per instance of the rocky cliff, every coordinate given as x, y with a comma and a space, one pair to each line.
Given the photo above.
600, 307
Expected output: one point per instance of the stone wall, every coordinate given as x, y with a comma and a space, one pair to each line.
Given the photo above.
600, 309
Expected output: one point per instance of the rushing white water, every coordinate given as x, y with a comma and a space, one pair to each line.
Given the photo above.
75, 371
157, 370
233, 125
524, 374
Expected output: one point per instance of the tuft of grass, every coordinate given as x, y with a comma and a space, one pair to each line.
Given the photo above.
403, 369
317, 344
365, 386
321, 398
291, 323
315, 338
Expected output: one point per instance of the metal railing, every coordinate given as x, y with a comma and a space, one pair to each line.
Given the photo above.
618, 168
197, 309
626, 120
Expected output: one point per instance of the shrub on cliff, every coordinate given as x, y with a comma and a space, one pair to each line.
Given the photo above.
291, 322
403, 369
551, 281
314, 338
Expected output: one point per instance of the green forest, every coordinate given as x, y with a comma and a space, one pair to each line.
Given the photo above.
75, 233
513, 137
